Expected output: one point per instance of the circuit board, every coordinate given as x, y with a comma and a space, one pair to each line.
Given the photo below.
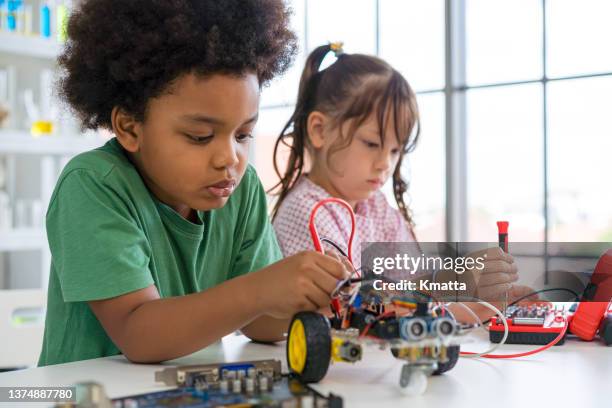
534, 324
245, 384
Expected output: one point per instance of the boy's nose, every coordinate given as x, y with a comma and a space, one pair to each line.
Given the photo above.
226, 155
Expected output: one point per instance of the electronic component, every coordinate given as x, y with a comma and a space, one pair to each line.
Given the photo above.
413, 328
244, 384
534, 324
444, 327
426, 341
213, 374
286, 392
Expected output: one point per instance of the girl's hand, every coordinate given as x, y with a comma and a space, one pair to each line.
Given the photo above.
302, 282
494, 280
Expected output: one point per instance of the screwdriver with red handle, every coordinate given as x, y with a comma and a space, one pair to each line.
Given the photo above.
502, 233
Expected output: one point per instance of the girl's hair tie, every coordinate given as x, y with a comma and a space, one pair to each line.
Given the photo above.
336, 47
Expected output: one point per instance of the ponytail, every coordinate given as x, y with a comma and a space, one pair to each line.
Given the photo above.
295, 135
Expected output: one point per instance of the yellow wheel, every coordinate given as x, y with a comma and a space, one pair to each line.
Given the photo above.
309, 346
297, 347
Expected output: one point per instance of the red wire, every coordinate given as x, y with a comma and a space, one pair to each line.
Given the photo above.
314, 234
313, 228
527, 353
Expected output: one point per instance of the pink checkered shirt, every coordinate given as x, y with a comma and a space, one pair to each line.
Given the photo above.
376, 221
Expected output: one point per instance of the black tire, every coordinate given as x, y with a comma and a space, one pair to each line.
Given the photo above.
452, 353
318, 346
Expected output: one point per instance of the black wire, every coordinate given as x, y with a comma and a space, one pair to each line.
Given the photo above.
362, 280
332, 243
547, 290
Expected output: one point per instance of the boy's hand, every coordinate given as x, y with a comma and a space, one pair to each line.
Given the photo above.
302, 282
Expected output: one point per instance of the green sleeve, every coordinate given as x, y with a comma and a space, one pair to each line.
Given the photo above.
258, 245
98, 250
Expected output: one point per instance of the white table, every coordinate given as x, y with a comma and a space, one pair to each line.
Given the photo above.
576, 374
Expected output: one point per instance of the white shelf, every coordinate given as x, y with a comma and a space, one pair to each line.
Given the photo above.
29, 46
20, 142
23, 239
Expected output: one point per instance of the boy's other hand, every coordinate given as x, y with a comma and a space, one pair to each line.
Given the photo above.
302, 282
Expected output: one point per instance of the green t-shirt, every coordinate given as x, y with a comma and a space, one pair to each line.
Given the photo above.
110, 236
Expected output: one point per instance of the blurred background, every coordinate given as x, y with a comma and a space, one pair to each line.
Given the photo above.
514, 100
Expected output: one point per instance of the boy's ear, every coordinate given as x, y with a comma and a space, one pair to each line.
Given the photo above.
316, 125
127, 129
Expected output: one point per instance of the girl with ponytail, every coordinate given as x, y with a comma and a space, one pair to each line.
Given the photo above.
353, 123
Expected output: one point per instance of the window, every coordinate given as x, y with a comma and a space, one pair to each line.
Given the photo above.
505, 152
579, 165
537, 79
503, 40
352, 22
425, 168
270, 124
531, 78
412, 40
578, 37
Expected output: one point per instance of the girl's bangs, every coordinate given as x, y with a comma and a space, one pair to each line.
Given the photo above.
389, 98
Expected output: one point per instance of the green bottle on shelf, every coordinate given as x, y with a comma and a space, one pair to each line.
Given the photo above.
62, 21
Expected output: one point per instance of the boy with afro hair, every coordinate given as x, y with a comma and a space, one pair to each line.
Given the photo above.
160, 239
